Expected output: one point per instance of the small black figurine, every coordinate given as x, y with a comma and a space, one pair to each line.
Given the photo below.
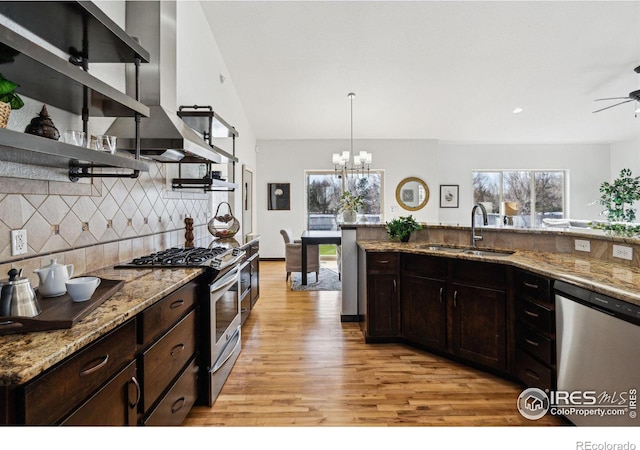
42, 125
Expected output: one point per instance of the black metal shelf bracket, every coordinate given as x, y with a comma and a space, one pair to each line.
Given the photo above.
78, 171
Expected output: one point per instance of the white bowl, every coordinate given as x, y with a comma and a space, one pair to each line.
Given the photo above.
82, 288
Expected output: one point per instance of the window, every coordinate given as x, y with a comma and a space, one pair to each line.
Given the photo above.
324, 189
535, 195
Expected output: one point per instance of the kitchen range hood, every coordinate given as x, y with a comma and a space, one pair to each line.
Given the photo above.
163, 135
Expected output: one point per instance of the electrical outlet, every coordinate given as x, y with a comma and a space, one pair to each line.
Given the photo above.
622, 252
582, 245
18, 242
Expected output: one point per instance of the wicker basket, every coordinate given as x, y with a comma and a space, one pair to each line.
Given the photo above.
5, 110
224, 225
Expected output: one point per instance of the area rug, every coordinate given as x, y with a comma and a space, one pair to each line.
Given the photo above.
327, 281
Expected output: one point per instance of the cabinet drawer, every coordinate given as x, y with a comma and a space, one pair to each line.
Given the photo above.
157, 318
533, 373
424, 266
383, 262
536, 344
481, 274
115, 404
533, 287
54, 394
166, 358
176, 404
537, 316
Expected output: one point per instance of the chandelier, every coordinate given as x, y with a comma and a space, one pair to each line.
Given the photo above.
361, 161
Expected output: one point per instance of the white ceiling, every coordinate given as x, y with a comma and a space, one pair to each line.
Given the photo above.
449, 70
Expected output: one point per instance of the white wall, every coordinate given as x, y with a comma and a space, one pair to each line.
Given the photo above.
587, 164
200, 65
284, 161
625, 155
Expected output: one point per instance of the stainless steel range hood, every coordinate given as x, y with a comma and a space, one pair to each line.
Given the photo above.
163, 135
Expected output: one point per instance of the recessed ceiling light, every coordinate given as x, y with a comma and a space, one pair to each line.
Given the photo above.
518, 110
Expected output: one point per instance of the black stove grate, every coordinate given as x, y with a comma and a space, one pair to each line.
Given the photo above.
182, 257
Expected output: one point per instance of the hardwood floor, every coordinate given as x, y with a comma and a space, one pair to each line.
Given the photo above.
300, 366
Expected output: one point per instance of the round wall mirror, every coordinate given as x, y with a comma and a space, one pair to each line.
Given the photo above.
412, 193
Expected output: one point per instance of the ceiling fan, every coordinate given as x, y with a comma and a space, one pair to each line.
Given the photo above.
633, 96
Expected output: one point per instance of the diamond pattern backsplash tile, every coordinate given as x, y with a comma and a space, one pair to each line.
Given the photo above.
122, 216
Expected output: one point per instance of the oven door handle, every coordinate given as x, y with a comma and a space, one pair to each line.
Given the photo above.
234, 342
225, 282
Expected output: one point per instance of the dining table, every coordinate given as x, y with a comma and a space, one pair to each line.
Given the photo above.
316, 237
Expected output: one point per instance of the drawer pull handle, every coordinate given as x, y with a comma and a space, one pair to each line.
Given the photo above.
455, 299
384, 261
178, 404
96, 365
177, 349
177, 304
395, 286
134, 382
530, 342
532, 374
531, 285
441, 290
532, 314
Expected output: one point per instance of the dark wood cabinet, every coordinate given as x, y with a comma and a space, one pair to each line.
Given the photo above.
115, 404
144, 371
456, 306
423, 308
478, 312
166, 358
249, 279
382, 309
535, 330
478, 331
57, 393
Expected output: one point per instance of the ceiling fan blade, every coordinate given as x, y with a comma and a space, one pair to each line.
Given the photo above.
612, 98
630, 100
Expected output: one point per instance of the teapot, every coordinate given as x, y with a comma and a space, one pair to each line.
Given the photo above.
17, 297
53, 278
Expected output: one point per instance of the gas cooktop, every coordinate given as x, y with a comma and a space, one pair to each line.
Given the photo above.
215, 257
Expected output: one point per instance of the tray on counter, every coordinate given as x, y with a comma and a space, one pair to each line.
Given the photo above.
60, 312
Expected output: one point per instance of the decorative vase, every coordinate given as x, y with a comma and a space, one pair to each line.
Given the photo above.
43, 126
348, 216
405, 238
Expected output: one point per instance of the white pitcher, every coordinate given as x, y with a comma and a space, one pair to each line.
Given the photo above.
53, 278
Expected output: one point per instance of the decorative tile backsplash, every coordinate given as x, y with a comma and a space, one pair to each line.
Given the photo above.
100, 223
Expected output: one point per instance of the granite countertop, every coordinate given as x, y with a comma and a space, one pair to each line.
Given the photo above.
608, 278
26, 355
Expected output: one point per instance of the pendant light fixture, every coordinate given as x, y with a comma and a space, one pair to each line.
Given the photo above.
361, 161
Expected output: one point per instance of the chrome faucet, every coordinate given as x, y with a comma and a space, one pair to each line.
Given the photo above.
485, 220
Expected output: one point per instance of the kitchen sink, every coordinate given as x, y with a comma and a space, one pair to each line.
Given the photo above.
440, 248
485, 252
464, 250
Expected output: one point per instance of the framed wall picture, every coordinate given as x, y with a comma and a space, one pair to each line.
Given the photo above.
449, 196
279, 196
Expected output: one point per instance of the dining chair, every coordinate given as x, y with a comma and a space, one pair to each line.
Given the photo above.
293, 255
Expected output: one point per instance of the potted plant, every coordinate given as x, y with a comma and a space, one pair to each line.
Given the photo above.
349, 205
9, 99
618, 198
402, 227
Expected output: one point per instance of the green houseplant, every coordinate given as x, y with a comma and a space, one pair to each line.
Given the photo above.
8, 93
402, 227
349, 205
618, 198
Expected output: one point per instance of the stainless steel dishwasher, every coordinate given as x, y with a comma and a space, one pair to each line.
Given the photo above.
598, 357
